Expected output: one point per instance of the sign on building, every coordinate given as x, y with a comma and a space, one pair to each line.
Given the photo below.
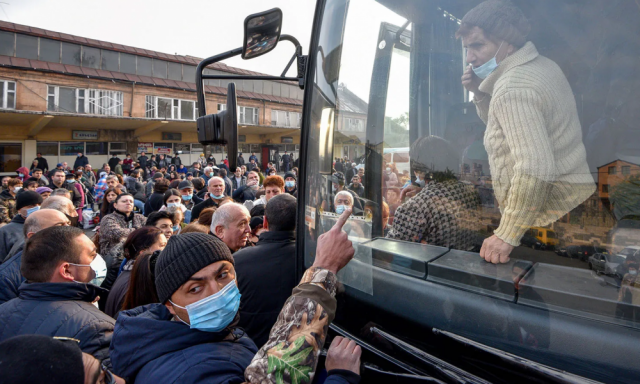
145, 147
162, 149
85, 135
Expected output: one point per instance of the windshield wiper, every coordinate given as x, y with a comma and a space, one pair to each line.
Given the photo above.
448, 370
549, 373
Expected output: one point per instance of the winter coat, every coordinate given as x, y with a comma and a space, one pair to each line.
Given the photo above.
234, 182
177, 161
113, 162
10, 278
151, 348
114, 229
266, 275
208, 203
135, 188
243, 194
11, 234
154, 203
90, 179
59, 309
43, 164
9, 202
75, 196
118, 170
119, 291
81, 161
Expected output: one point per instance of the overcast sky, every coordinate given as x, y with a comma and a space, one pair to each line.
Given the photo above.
199, 28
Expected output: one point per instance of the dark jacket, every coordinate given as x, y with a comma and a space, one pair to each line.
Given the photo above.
243, 194
208, 203
43, 164
240, 161
11, 234
234, 182
119, 291
81, 161
154, 203
142, 160
266, 275
151, 348
76, 198
293, 192
359, 190
59, 309
135, 188
113, 162
10, 278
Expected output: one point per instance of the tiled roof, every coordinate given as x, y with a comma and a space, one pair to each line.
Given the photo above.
15, 62
189, 60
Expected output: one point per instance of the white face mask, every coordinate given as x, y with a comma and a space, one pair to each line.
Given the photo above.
16, 189
99, 267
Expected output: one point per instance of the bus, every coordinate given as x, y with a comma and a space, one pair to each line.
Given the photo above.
418, 297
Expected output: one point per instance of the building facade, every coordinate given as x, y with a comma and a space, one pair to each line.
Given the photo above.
63, 94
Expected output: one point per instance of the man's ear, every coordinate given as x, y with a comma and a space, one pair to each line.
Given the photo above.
170, 308
265, 223
62, 273
219, 231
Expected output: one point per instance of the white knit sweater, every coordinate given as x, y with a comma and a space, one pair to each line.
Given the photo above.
534, 141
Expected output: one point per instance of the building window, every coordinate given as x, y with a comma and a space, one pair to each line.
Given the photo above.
47, 148
626, 170
355, 125
286, 119
7, 94
10, 157
605, 188
94, 148
7, 43
286, 140
612, 170
222, 107
248, 115
49, 50
71, 148
170, 109
92, 101
26, 46
117, 148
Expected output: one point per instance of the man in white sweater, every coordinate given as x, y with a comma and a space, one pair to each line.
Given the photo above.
533, 136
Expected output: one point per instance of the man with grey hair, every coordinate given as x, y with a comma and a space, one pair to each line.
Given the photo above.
208, 174
533, 136
213, 198
230, 223
64, 205
342, 201
10, 276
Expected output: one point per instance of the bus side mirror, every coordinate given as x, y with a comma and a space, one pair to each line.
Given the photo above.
261, 33
221, 128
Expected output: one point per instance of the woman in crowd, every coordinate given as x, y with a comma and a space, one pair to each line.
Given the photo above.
142, 287
107, 203
31, 184
178, 218
114, 229
45, 192
206, 216
142, 241
8, 196
156, 200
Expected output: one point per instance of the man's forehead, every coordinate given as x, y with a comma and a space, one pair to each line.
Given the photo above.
475, 35
211, 269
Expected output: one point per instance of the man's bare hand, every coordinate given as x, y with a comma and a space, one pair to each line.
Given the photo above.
334, 249
344, 354
495, 251
409, 192
470, 81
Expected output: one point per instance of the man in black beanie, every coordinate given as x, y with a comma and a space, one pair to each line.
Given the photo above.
290, 184
38, 359
191, 335
26, 203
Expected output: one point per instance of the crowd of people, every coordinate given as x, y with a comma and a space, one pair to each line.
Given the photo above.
187, 276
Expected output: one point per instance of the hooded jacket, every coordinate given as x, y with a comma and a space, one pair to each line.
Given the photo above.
11, 234
24, 171
151, 348
10, 278
59, 309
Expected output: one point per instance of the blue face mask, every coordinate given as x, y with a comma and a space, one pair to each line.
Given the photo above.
213, 313
175, 228
487, 68
21, 174
31, 210
216, 197
187, 197
340, 209
290, 184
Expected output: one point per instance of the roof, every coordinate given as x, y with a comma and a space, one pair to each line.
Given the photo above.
16, 62
621, 159
350, 102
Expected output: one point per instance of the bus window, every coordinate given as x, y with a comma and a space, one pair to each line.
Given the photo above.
515, 162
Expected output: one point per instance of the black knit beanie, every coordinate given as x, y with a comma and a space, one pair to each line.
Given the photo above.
36, 359
290, 174
502, 19
185, 255
27, 198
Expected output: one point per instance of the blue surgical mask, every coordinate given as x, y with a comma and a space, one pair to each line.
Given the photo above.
171, 205
187, 197
290, 184
175, 228
31, 210
216, 197
99, 267
21, 174
213, 313
340, 209
487, 68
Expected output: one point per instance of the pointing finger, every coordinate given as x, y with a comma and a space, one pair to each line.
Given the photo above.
342, 219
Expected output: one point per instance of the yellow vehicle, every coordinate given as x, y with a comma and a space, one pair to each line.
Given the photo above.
546, 236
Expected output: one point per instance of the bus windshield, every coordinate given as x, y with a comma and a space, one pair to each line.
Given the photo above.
436, 170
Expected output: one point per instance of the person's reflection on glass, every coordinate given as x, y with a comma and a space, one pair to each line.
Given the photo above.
533, 136
443, 211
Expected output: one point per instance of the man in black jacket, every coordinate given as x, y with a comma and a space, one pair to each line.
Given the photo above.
266, 272
81, 161
62, 285
58, 180
42, 163
12, 233
113, 161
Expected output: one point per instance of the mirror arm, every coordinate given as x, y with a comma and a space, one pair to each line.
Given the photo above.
302, 60
202, 107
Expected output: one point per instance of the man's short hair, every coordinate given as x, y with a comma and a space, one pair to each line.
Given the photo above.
207, 169
274, 181
198, 183
111, 177
154, 217
48, 248
36, 170
222, 173
215, 178
500, 20
13, 182
281, 213
161, 186
58, 203
56, 171
344, 193
222, 215
62, 193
